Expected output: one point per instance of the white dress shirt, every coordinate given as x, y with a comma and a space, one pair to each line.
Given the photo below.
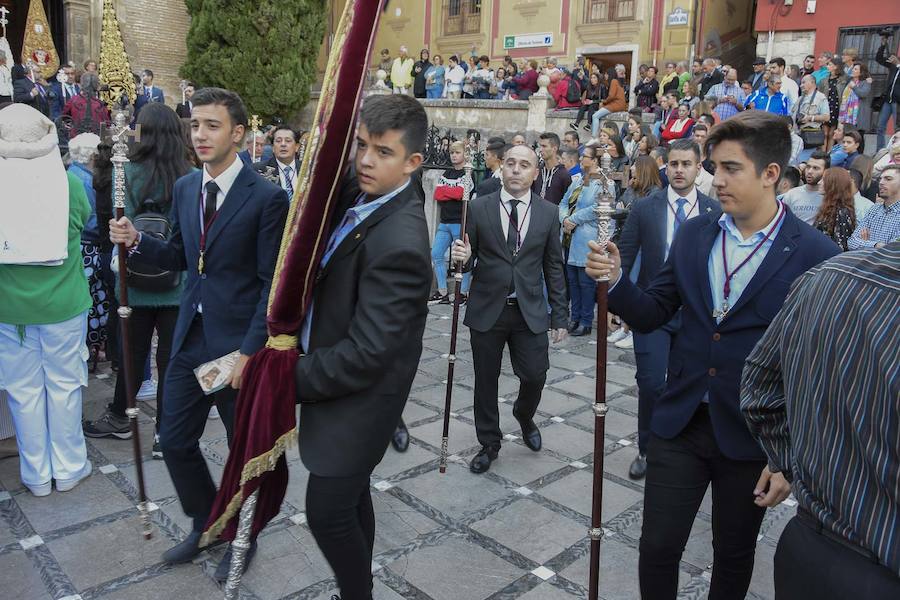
691, 210
225, 180
281, 176
523, 213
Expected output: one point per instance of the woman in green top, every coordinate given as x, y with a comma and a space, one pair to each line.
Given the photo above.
157, 162
43, 323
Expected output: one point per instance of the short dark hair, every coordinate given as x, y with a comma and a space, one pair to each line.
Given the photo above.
398, 112
573, 134
700, 127
484, 58
792, 175
147, 72
230, 100
809, 56
777, 61
496, 148
856, 137
661, 152
551, 137
293, 131
684, 144
821, 155
763, 136
454, 58
570, 153
636, 112
495, 139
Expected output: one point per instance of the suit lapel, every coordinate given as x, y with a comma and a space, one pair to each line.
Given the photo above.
233, 203
493, 209
661, 219
783, 247
190, 223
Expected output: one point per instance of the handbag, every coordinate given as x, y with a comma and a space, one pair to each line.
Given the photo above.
812, 137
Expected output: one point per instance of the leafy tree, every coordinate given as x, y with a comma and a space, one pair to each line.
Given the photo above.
265, 50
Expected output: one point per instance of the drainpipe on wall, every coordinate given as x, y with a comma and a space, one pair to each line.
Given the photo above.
770, 46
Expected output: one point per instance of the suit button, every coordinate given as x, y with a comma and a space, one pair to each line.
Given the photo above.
716, 337
203, 276
712, 372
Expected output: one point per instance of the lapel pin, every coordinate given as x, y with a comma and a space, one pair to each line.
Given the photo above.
708, 209
786, 249
358, 235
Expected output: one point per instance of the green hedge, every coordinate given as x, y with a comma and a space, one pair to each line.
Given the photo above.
265, 50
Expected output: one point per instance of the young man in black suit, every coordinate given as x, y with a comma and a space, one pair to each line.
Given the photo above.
226, 236
183, 109
514, 235
363, 335
649, 231
728, 275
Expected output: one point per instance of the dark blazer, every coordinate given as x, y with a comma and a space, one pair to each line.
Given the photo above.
709, 356
540, 254
183, 110
488, 185
241, 249
645, 231
708, 80
22, 93
370, 303
262, 167
143, 99
58, 98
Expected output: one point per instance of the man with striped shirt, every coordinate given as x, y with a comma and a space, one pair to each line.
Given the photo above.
882, 221
820, 394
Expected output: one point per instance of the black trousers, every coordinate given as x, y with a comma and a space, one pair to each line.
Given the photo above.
812, 564
182, 421
529, 355
342, 520
678, 473
142, 322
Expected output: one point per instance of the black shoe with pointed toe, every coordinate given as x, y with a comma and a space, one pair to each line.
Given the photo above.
482, 461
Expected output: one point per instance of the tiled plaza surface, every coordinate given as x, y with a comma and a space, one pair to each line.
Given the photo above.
519, 531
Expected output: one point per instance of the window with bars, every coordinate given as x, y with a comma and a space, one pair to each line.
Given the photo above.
462, 17
601, 11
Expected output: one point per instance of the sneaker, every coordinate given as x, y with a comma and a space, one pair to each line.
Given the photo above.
573, 126
69, 484
587, 128
463, 298
156, 452
626, 342
445, 299
40, 490
213, 414
147, 391
108, 425
435, 298
616, 335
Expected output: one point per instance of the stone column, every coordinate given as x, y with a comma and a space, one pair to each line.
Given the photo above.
82, 34
538, 105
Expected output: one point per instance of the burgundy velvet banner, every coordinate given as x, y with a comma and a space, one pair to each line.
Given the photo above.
265, 411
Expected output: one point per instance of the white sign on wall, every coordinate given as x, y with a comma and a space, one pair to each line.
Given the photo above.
528, 40
677, 17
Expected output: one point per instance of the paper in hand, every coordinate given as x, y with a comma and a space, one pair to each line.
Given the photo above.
213, 375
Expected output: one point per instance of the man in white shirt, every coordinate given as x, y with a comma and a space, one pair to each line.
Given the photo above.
805, 200
789, 87
454, 78
284, 163
6, 88
401, 72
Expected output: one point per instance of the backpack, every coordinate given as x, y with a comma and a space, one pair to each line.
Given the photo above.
573, 91
152, 222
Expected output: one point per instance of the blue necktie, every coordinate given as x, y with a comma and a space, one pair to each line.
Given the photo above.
680, 217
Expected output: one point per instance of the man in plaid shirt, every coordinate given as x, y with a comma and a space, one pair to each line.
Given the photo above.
881, 224
728, 96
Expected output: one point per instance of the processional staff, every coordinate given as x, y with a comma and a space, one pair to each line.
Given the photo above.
468, 186
120, 135
604, 209
255, 122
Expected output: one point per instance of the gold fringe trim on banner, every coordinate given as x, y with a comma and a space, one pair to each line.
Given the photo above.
254, 468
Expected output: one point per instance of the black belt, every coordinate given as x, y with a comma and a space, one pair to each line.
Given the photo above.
807, 519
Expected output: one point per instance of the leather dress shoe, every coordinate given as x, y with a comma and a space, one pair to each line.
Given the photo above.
221, 574
531, 435
572, 326
484, 458
400, 439
638, 467
184, 551
580, 330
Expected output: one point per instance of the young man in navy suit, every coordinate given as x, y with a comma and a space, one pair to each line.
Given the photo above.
648, 232
62, 92
728, 275
226, 236
148, 92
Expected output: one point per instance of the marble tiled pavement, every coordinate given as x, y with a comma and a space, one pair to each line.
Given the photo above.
519, 531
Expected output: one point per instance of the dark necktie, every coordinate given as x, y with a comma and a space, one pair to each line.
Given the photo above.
680, 216
512, 238
288, 182
209, 205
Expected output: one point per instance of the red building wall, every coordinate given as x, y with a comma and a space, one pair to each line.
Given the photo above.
830, 16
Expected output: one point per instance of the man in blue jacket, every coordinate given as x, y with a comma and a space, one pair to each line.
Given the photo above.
649, 232
62, 92
148, 92
728, 275
226, 233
